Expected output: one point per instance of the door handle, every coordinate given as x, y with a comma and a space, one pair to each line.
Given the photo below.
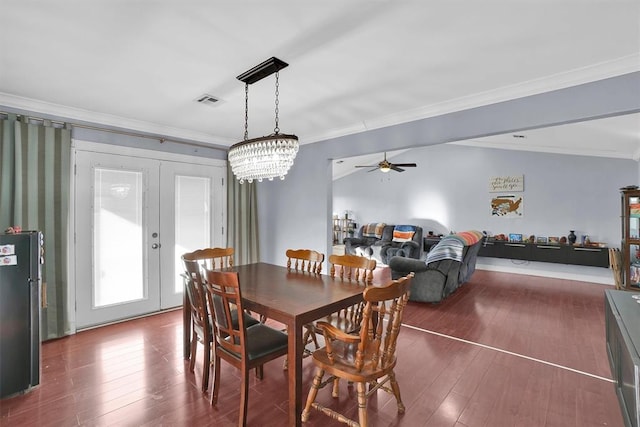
155, 246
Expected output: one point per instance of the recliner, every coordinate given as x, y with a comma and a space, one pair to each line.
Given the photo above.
376, 240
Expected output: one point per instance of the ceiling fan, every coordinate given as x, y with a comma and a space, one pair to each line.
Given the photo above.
385, 166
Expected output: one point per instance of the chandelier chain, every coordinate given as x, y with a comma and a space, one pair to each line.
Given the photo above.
277, 129
246, 111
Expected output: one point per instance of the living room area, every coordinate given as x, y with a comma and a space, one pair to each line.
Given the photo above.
449, 191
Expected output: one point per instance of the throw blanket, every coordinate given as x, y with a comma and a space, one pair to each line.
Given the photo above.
452, 246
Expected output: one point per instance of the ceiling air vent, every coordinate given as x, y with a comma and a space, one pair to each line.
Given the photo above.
208, 99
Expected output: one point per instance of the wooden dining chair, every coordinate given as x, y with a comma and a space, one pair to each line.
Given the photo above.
309, 261
212, 258
305, 260
201, 326
367, 358
352, 267
355, 269
242, 346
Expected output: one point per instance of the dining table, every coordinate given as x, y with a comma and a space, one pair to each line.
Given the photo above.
293, 298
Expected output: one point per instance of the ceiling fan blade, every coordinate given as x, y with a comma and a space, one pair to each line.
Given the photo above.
396, 168
374, 169
370, 166
406, 165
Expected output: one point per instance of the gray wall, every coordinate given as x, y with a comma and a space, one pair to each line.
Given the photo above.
297, 212
449, 190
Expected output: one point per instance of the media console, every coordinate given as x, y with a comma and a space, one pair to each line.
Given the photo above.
556, 253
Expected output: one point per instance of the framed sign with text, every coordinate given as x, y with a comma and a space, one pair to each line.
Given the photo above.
500, 184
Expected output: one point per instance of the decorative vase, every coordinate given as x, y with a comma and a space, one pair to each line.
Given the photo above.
571, 237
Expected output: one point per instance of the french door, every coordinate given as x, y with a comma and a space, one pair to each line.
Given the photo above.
134, 218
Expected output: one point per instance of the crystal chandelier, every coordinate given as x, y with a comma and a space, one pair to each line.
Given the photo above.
267, 156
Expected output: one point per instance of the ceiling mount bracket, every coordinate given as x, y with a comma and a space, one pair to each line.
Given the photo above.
262, 70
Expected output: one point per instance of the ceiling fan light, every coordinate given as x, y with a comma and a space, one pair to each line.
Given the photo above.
385, 169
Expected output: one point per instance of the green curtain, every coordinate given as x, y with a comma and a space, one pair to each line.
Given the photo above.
242, 219
34, 194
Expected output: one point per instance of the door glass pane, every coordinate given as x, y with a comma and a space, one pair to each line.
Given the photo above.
118, 236
193, 219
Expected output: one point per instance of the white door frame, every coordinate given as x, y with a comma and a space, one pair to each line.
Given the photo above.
219, 236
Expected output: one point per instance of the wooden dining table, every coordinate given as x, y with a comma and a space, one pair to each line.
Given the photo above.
294, 299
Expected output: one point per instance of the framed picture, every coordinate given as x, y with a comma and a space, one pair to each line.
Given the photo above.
554, 240
541, 239
515, 237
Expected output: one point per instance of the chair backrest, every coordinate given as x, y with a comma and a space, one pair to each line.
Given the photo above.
211, 258
353, 267
305, 260
223, 298
197, 300
381, 322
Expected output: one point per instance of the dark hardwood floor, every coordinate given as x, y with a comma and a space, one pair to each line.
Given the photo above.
505, 350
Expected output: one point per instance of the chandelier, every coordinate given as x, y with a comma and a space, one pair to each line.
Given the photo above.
267, 156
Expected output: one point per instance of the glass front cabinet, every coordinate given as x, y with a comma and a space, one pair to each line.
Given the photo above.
631, 237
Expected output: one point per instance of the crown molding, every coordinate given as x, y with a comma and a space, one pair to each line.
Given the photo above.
551, 150
613, 68
107, 120
595, 72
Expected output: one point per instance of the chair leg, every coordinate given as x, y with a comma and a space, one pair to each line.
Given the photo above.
362, 404
313, 392
206, 367
216, 380
192, 358
335, 391
244, 399
259, 372
396, 391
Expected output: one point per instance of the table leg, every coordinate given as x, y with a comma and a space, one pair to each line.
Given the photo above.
296, 347
186, 325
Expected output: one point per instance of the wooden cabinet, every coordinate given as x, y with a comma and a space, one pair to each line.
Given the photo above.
630, 245
622, 317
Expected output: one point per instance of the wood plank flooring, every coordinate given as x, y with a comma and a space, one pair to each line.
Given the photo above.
504, 350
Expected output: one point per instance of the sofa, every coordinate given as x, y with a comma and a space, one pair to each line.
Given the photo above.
447, 266
382, 241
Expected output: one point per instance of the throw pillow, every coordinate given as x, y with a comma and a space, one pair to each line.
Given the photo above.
403, 233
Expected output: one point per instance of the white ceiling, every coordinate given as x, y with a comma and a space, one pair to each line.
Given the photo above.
354, 65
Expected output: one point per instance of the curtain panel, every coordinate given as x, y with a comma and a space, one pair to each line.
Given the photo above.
242, 219
34, 194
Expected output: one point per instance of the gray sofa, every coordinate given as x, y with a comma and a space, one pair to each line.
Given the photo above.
448, 266
376, 240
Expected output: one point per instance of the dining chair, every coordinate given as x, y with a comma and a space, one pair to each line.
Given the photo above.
356, 269
309, 261
368, 357
244, 347
201, 327
353, 268
305, 260
212, 258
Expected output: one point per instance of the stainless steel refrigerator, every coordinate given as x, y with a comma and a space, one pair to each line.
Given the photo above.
21, 258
